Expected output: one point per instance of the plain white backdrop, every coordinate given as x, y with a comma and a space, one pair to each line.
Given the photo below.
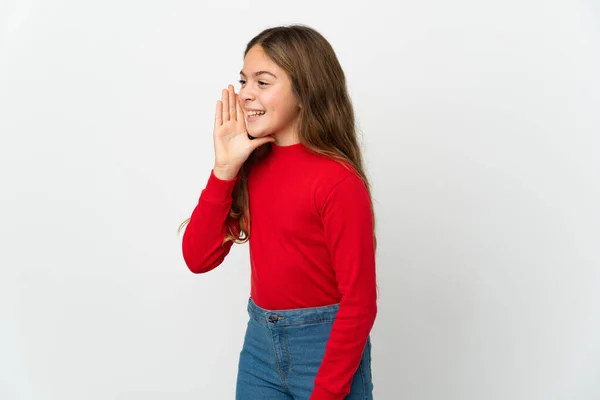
481, 132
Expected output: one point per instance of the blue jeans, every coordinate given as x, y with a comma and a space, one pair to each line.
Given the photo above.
282, 353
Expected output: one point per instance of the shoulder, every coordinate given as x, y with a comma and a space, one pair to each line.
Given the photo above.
337, 181
329, 172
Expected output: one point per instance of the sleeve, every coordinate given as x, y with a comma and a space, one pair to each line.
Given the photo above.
348, 223
202, 244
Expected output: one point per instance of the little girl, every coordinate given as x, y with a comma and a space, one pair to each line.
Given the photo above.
288, 177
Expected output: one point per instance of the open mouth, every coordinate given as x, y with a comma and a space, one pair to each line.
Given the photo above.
254, 115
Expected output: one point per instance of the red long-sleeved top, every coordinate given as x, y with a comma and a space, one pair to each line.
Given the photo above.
311, 244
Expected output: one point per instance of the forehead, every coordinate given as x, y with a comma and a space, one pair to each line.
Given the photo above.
257, 60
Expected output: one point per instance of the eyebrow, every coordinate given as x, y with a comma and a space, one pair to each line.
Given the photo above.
258, 73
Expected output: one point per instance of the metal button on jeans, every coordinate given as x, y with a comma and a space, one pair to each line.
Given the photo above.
273, 317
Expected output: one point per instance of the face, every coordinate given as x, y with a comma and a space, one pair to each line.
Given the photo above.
266, 88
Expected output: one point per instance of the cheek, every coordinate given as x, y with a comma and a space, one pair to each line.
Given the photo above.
280, 104
269, 101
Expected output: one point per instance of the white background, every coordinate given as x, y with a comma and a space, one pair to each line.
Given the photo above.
480, 125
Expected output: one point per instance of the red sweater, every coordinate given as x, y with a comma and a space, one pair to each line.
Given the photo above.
311, 244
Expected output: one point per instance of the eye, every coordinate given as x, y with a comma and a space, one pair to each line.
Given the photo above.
260, 83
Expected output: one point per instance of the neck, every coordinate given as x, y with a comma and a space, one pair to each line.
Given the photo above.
282, 142
287, 137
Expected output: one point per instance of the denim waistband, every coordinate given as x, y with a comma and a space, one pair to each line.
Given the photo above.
296, 316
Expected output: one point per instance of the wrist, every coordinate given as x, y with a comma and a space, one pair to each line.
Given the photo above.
225, 173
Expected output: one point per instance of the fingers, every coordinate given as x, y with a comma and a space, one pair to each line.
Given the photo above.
232, 102
218, 114
228, 108
225, 100
238, 108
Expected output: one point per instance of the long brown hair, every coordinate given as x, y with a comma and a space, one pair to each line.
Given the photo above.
326, 123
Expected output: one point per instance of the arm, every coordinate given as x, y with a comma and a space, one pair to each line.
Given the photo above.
203, 237
348, 223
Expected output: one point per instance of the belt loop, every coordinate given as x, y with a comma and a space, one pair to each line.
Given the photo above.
275, 318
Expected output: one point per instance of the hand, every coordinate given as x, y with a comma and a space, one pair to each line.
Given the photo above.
232, 144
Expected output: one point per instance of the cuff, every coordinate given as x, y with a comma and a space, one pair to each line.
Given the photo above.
320, 394
218, 190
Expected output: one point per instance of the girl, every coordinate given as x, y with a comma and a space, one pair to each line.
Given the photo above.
288, 177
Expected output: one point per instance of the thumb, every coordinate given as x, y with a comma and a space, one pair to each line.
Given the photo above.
260, 141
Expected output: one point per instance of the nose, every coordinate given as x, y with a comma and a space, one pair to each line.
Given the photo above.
246, 94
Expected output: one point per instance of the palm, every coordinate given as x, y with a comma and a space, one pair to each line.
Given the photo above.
232, 145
